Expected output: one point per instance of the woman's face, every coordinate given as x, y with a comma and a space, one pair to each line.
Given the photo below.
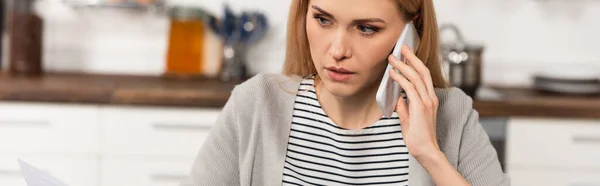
350, 41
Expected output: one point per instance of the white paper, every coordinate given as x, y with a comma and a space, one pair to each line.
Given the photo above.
36, 177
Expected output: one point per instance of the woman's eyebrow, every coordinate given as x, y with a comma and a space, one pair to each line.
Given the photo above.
323, 11
367, 20
356, 21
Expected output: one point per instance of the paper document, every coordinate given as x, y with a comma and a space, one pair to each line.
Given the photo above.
36, 177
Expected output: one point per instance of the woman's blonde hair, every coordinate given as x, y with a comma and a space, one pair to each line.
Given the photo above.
298, 59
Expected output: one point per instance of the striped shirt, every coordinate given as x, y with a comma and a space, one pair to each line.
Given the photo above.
321, 153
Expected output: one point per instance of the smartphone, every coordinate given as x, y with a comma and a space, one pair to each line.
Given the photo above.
389, 90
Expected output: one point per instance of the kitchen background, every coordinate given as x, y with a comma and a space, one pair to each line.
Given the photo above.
126, 125
520, 37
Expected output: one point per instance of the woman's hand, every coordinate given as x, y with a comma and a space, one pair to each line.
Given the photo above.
418, 118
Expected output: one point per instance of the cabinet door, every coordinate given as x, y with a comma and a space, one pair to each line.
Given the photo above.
10, 175
553, 177
48, 128
155, 131
72, 170
144, 170
565, 143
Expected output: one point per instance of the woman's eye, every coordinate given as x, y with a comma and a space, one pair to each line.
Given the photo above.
367, 30
323, 21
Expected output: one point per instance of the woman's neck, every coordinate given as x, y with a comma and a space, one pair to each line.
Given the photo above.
354, 112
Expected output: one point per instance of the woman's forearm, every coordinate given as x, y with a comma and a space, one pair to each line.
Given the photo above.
440, 169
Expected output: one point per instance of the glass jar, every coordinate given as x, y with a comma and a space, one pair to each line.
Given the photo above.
185, 55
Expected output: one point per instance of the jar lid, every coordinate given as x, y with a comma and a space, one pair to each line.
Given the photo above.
187, 13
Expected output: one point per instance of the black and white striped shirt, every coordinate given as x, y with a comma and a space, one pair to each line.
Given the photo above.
321, 153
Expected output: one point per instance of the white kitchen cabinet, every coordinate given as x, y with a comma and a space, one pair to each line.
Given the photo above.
10, 175
48, 128
72, 170
568, 143
144, 170
155, 131
553, 151
94, 145
554, 177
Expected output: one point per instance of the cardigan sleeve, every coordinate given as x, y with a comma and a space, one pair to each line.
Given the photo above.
217, 162
478, 161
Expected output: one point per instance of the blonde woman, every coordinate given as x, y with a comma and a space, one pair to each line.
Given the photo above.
318, 123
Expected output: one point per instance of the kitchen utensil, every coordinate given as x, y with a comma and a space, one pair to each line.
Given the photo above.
230, 27
245, 27
224, 27
254, 27
238, 33
463, 61
233, 68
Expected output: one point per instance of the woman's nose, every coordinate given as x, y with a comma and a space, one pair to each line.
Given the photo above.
339, 49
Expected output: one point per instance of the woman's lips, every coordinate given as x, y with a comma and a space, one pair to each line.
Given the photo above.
339, 74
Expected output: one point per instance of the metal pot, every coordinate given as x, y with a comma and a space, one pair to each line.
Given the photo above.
462, 61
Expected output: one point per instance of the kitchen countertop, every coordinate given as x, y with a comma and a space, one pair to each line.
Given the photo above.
159, 91
114, 89
519, 101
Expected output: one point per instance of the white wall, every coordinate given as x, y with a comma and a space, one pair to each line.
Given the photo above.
524, 36
116, 41
520, 36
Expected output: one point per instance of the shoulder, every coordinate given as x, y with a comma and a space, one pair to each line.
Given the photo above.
269, 85
453, 100
264, 105
265, 93
455, 110
268, 81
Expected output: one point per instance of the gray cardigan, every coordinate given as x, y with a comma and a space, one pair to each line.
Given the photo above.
248, 143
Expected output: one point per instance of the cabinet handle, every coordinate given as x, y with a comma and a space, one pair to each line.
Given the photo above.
586, 139
9, 123
10, 172
166, 126
168, 177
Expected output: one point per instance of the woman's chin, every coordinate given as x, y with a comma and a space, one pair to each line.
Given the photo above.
340, 89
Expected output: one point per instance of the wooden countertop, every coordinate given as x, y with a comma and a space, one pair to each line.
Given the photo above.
114, 89
158, 91
532, 103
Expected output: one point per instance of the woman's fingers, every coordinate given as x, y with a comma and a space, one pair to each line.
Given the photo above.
420, 67
413, 77
409, 88
402, 109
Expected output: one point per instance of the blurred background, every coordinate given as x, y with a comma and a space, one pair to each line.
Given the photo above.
115, 92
